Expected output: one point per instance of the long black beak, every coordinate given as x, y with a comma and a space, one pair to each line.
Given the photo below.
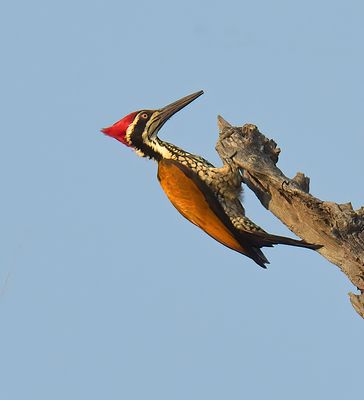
166, 112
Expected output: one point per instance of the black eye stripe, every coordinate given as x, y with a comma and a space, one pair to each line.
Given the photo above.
136, 136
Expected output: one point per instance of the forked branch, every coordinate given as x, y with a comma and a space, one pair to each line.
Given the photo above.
337, 227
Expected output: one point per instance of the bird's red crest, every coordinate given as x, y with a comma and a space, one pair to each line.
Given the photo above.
118, 130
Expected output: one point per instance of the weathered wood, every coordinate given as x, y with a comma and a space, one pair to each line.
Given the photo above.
337, 227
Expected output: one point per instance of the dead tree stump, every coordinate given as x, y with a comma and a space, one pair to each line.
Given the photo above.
338, 227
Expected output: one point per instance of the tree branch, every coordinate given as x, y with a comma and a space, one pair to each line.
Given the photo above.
337, 227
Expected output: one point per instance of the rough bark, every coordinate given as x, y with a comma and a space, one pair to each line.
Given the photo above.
337, 227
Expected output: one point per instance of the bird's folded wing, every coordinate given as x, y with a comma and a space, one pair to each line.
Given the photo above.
196, 202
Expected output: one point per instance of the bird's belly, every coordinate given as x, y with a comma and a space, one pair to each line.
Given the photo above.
188, 198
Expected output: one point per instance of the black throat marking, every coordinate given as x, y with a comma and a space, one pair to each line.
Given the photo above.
136, 139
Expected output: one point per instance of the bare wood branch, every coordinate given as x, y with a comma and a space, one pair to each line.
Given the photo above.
337, 227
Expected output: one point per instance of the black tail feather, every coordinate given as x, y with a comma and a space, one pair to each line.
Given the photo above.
263, 239
274, 239
260, 239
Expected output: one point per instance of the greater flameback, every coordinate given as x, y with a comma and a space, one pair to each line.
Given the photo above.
209, 197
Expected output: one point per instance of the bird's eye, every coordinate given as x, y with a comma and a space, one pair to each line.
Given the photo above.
144, 115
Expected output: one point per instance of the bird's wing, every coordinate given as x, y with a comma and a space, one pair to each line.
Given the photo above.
197, 202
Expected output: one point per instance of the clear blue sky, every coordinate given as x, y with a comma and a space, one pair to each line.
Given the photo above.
106, 292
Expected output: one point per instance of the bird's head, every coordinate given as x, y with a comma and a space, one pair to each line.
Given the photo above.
139, 129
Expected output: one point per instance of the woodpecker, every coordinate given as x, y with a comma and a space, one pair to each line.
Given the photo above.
208, 197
